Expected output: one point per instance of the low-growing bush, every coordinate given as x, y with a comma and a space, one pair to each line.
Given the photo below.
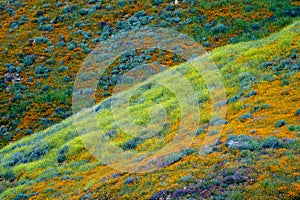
36, 153
220, 28
28, 60
59, 4
71, 46
248, 8
199, 131
9, 175
46, 27
61, 157
131, 180
280, 123
40, 40
244, 117
234, 98
255, 26
132, 144
156, 2
297, 112
252, 93
84, 11
272, 142
186, 179
217, 121
294, 128
162, 194
121, 3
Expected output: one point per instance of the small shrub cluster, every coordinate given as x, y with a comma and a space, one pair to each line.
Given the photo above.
242, 142
41, 40
294, 128
131, 180
132, 144
244, 117
297, 112
235, 98
257, 108
217, 121
252, 93
162, 194
15, 25
46, 27
28, 60
61, 157
175, 157
280, 123
272, 142
36, 153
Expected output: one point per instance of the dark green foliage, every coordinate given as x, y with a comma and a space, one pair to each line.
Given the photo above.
186, 179
297, 112
280, 123
285, 82
121, 3
62, 69
252, 93
248, 8
245, 116
71, 46
61, 157
234, 98
199, 131
243, 142
36, 153
156, 2
28, 60
59, 4
272, 142
132, 144
206, 44
84, 11
256, 26
46, 27
67, 79
219, 28
294, 128
21, 196
175, 157
40, 40
10, 176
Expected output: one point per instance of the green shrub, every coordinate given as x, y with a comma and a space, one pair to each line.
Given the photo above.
297, 112
46, 27
61, 157
280, 123
156, 2
28, 60
244, 117
186, 179
294, 128
272, 142
132, 144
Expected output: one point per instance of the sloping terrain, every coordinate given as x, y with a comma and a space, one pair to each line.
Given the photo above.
256, 156
43, 44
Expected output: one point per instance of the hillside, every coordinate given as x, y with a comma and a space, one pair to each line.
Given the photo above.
256, 156
43, 44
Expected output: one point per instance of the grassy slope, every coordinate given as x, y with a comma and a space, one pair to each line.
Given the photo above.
269, 172
38, 101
